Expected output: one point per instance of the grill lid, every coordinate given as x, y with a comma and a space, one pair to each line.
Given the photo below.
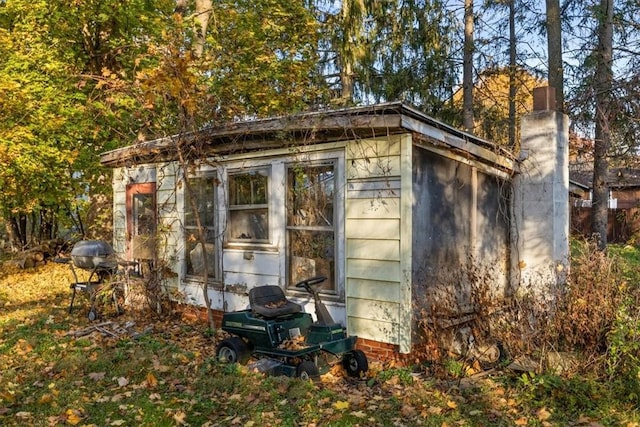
91, 254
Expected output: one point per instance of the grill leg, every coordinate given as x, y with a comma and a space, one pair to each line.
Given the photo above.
73, 297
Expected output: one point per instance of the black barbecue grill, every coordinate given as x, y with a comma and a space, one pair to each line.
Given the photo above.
107, 275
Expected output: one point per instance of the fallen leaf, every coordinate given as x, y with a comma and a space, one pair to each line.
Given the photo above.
180, 417
45, 398
543, 414
22, 347
451, 404
7, 396
122, 381
408, 411
96, 376
73, 416
359, 414
434, 410
151, 380
521, 421
341, 405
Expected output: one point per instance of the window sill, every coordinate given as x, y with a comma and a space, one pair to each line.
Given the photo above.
258, 247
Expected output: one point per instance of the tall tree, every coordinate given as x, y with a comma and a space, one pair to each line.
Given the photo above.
603, 85
350, 46
554, 51
504, 30
467, 68
389, 50
513, 68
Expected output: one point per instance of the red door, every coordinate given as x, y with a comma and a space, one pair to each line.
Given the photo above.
141, 221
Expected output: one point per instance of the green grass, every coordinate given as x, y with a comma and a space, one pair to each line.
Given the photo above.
170, 378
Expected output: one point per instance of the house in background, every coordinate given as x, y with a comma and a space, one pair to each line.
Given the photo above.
400, 212
624, 202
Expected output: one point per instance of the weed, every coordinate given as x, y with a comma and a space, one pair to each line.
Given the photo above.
455, 368
623, 351
402, 375
570, 397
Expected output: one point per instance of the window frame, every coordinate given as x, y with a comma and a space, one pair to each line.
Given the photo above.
215, 278
337, 293
230, 241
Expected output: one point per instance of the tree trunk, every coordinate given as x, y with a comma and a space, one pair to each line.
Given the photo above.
352, 16
467, 68
201, 17
204, 9
512, 73
603, 86
554, 47
19, 230
346, 78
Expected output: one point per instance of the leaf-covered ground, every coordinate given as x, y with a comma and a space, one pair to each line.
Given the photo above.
58, 368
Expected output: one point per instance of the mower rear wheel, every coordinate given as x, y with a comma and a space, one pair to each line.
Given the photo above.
355, 363
307, 370
233, 350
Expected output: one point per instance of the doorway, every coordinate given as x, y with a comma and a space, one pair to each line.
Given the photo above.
141, 223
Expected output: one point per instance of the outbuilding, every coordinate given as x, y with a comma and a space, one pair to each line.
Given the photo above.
406, 216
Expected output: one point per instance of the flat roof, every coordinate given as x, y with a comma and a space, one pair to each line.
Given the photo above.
312, 128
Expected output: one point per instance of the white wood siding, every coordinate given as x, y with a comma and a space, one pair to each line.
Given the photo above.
377, 221
119, 211
170, 236
122, 177
248, 268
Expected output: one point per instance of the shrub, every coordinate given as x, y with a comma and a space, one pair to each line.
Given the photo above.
623, 351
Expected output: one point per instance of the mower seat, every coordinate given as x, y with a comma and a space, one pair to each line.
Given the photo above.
269, 301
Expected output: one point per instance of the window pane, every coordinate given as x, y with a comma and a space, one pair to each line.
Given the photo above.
195, 254
311, 254
143, 215
204, 192
311, 196
310, 223
248, 219
248, 188
249, 224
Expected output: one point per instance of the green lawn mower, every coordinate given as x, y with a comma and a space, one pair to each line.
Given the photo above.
286, 341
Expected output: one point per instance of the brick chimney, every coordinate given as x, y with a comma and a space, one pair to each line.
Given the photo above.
544, 99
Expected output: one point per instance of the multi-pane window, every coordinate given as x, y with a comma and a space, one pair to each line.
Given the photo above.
248, 220
203, 190
310, 223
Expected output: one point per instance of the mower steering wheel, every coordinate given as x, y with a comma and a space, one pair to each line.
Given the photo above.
307, 283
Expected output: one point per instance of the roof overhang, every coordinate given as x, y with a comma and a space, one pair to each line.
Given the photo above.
312, 128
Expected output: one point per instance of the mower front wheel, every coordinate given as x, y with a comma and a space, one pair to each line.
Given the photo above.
233, 350
307, 370
355, 363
